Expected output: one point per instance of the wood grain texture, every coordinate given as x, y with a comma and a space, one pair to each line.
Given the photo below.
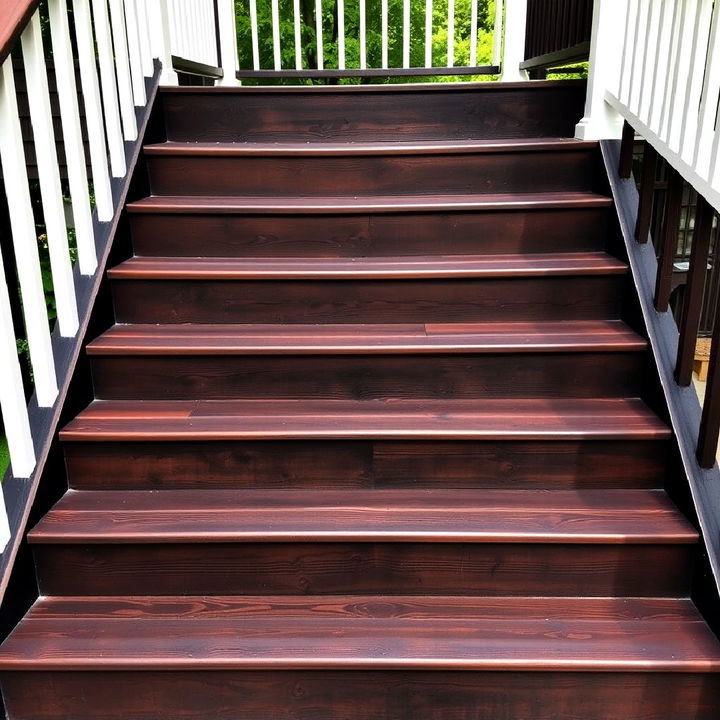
14, 15
341, 174
435, 266
401, 375
363, 149
492, 337
561, 229
338, 204
370, 112
404, 300
366, 568
596, 419
343, 695
475, 516
332, 639
351, 464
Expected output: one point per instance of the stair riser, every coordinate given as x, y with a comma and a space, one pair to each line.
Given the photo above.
379, 301
372, 175
365, 464
359, 695
518, 231
369, 376
276, 115
394, 568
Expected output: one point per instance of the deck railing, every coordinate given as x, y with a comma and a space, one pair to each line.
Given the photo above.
104, 57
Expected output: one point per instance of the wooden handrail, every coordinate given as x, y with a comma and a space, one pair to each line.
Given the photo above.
14, 16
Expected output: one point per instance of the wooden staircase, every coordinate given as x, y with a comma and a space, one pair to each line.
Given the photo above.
369, 439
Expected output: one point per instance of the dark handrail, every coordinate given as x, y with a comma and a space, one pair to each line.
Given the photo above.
14, 16
557, 32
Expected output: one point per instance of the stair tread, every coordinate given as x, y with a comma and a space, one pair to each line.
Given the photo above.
392, 418
366, 148
194, 204
197, 339
430, 266
512, 634
552, 516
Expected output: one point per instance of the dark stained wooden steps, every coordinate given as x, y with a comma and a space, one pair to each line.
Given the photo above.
463, 542
369, 438
491, 337
341, 204
422, 168
427, 419
369, 113
356, 633
472, 516
583, 359
556, 286
360, 268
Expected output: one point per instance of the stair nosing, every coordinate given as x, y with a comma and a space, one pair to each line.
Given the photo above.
197, 204
387, 268
174, 148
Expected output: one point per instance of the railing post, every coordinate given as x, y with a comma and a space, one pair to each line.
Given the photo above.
601, 121
514, 45
227, 36
162, 49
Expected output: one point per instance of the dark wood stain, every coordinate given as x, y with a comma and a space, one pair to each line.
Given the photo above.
371, 438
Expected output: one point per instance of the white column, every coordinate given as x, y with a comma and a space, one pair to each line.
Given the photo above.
514, 49
228, 42
601, 121
161, 42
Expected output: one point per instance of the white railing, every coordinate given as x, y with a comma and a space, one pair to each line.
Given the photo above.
421, 34
116, 43
656, 64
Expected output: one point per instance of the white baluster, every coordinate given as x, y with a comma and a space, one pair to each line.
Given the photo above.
406, 34
254, 35
122, 71
428, 32
228, 42
696, 74
601, 120
109, 88
451, 34
12, 394
639, 55
473, 32
160, 39
498, 32
49, 176
319, 34
682, 79
631, 30
93, 111
24, 239
276, 34
143, 25
709, 104
363, 35
72, 136
341, 33
651, 57
663, 64
384, 32
298, 35
671, 79
514, 48
135, 53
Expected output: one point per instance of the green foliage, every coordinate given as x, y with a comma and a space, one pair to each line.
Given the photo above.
486, 10
4, 456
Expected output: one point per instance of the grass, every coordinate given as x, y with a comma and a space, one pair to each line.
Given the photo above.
4, 456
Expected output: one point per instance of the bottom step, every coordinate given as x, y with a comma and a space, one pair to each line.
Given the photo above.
348, 658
